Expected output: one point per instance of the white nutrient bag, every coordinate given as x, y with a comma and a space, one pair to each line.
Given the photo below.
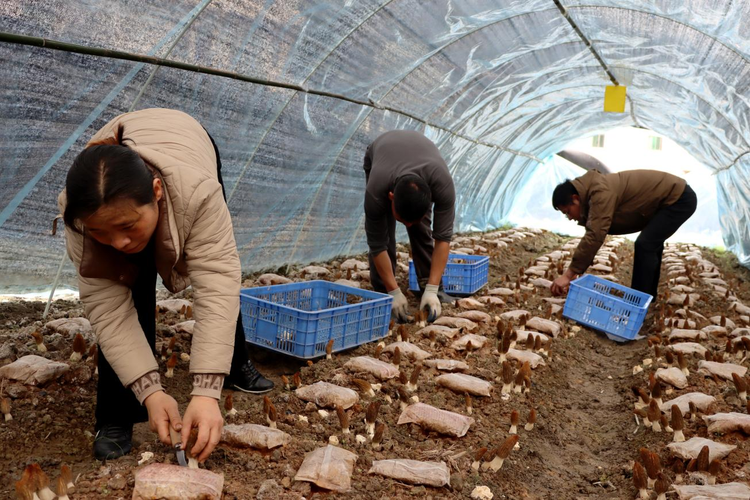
431, 418
375, 367
413, 471
724, 423
462, 383
447, 365
327, 395
409, 350
329, 467
255, 436
164, 481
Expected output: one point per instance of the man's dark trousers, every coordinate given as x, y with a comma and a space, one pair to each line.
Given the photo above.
649, 246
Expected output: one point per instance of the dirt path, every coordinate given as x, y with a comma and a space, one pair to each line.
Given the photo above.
587, 443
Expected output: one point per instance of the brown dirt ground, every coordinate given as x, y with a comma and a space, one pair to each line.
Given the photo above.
583, 445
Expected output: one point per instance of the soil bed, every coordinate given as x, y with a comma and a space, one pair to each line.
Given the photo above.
583, 445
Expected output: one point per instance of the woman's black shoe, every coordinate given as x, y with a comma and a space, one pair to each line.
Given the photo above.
113, 441
248, 380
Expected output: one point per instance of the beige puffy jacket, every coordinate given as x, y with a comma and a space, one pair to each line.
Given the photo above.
194, 246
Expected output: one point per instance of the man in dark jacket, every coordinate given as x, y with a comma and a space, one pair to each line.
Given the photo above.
652, 202
405, 176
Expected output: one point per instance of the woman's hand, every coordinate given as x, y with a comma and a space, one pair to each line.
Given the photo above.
203, 413
163, 412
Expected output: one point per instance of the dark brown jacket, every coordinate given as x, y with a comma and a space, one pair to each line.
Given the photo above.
619, 204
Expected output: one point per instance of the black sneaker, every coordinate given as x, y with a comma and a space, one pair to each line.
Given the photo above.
248, 380
113, 441
445, 298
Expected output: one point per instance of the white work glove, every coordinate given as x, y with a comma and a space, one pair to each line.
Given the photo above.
431, 302
400, 310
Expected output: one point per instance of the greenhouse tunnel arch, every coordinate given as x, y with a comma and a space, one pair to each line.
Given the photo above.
498, 86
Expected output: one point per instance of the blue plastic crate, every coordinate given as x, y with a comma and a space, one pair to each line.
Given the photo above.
600, 304
299, 319
459, 279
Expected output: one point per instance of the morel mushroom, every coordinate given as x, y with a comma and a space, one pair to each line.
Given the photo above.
507, 378
669, 357
377, 438
741, 386
414, 379
503, 452
329, 349
713, 470
62, 489
343, 419
229, 405
42, 484
478, 458
656, 391
272, 416
678, 467
531, 420
79, 348
702, 463
39, 341
651, 463
403, 397
514, 419
297, 380
467, 403
654, 416
682, 363
171, 364
5, 409
505, 347
661, 486
530, 342
364, 387
640, 480
643, 398
370, 416
396, 357
404, 334
67, 475
677, 425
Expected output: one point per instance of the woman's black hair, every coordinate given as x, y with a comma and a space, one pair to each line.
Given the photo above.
563, 194
411, 198
104, 172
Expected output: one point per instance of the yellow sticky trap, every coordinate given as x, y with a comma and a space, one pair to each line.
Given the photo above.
614, 98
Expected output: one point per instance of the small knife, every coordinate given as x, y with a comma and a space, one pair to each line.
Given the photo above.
177, 444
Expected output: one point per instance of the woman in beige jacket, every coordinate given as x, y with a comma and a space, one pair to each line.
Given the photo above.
144, 198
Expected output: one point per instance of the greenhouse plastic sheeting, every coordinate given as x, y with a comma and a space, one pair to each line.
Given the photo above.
497, 85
